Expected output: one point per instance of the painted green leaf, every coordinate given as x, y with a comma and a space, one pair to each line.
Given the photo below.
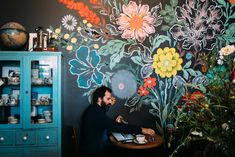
229, 38
163, 12
231, 29
232, 16
222, 2
115, 58
185, 74
167, 8
191, 72
159, 40
137, 60
112, 47
167, 19
173, 3
165, 28
187, 65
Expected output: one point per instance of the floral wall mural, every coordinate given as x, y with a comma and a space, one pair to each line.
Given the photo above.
150, 53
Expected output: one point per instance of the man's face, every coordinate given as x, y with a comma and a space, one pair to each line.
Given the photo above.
107, 99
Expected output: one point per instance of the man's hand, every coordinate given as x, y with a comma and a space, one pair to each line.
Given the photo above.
120, 119
148, 131
113, 100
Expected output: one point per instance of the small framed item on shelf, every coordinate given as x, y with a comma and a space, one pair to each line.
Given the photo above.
44, 99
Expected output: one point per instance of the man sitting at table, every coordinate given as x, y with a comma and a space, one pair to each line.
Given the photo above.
96, 124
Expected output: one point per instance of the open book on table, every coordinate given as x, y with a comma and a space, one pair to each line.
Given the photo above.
122, 137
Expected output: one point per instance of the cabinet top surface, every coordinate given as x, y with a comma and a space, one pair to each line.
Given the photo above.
29, 53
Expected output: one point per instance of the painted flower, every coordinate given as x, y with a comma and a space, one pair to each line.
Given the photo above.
87, 67
227, 50
136, 22
69, 22
167, 62
123, 84
143, 91
194, 31
149, 82
232, 1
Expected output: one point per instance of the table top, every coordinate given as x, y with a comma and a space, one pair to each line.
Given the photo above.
153, 142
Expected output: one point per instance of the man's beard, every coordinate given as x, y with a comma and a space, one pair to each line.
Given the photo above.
106, 106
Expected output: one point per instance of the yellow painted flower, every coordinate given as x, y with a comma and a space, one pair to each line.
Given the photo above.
66, 36
79, 29
69, 47
57, 30
96, 46
55, 36
89, 25
74, 40
167, 62
84, 21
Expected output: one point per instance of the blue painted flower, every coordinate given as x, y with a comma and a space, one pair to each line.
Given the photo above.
87, 67
188, 55
123, 84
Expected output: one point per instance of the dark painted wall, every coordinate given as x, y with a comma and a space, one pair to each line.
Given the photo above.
34, 13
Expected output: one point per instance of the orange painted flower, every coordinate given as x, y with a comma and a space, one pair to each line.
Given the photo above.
149, 82
232, 1
82, 10
143, 91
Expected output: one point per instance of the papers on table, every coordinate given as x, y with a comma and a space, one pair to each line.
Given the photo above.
122, 137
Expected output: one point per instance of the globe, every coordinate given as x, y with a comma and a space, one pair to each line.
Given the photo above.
13, 36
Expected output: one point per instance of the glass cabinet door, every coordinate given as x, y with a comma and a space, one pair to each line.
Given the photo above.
42, 91
10, 87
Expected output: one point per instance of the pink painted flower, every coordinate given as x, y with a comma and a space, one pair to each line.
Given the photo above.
136, 22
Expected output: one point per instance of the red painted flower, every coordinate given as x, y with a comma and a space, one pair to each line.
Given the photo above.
143, 91
149, 82
196, 95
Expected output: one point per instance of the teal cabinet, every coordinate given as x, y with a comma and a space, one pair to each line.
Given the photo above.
30, 104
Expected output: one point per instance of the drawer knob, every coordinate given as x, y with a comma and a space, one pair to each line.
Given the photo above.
25, 138
47, 137
2, 138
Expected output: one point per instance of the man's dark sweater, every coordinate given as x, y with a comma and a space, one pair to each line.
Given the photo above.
95, 123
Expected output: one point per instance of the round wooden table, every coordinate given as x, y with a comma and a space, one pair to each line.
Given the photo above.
153, 142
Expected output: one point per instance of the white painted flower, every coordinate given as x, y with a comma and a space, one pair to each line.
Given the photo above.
69, 22
221, 57
84, 21
196, 133
220, 62
136, 22
225, 126
227, 50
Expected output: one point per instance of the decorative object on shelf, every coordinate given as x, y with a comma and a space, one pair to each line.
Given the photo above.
13, 36
43, 40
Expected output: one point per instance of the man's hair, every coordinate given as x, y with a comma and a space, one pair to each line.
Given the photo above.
99, 93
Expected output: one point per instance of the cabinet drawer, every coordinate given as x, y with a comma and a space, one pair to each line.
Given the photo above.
47, 136
26, 137
7, 138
